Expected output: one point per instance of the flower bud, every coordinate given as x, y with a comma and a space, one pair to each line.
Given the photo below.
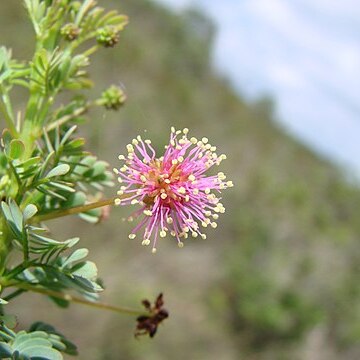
112, 98
108, 36
70, 31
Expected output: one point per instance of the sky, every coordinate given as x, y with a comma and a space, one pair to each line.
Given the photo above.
305, 54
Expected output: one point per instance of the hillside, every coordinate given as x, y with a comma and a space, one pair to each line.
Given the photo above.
278, 278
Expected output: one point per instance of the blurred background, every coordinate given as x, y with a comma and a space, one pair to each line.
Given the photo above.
274, 85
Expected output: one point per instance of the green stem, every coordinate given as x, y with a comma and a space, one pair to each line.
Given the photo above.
78, 300
74, 210
14, 294
6, 109
66, 118
5, 241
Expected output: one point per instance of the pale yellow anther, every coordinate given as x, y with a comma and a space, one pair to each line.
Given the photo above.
215, 216
213, 225
194, 234
173, 233
120, 180
145, 242
130, 148
207, 213
191, 177
120, 192
116, 171
207, 191
178, 147
196, 191
174, 161
162, 233
132, 236
143, 178
182, 190
172, 129
169, 220
153, 250
147, 212
121, 157
117, 202
163, 196
205, 140
135, 142
180, 159
187, 198
134, 201
124, 168
213, 148
147, 141
172, 142
203, 236
185, 130
167, 181
180, 244
193, 140
139, 138
204, 224
230, 184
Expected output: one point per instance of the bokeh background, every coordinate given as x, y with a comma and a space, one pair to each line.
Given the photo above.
279, 277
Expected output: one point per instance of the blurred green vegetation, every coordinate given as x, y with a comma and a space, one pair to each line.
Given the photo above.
279, 278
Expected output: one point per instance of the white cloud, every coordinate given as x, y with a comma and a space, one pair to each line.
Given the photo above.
304, 52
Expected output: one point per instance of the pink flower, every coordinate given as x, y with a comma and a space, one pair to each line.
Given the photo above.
175, 195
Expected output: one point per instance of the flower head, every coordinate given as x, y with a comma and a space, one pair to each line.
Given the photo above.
174, 193
148, 324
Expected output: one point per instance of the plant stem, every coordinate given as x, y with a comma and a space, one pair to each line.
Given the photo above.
5, 108
75, 210
66, 118
78, 300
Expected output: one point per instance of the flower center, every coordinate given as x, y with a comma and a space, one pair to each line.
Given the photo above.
165, 182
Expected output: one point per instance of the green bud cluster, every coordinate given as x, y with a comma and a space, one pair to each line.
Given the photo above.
112, 98
70, 31
108, 36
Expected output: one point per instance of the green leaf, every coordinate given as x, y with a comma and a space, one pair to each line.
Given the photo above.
5, 351
57, 339
6, 137
77, 255
29, 211
10, 321
16, 149
59, 170
33, 345
14, 218
86, 270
